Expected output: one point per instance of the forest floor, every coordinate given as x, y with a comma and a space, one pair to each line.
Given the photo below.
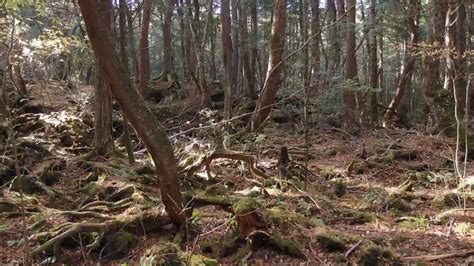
374, 196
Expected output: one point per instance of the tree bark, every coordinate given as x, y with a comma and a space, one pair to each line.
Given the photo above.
228, 58
248, 70
132, 50
351, 64
148, 128
103, 96
125, 64
275, 65
431, 61
373, 68
236, 74
341, 32
315, 50
413, 9
167, 40
144, 56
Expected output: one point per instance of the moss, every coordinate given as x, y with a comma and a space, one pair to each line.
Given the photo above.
216, 189
201, 260
331, 242
245, 205
363, 217
166, 253
374, 255
117, 244
229, 244
283, 217
331, 152
317, 222
328, 173
207, 247
287, 246
414, 223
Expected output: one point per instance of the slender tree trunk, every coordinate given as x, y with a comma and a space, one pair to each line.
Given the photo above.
213, 51
167, 40
125, 64
248, 71
349, 98
144, 57
256, 65
103, 97
413, 9
235, 46
332, 36
227, 56
341, 30
275, 65
147, 126
460, 61
304, 35
373, 68
450, 43
132, 50
315, 50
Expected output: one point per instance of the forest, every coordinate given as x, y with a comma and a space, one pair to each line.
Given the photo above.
236, 132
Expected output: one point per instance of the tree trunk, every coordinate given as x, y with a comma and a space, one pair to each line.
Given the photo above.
351, 65
125, 64
132, 50
373, 68
431, 83
315, 57
413, 11
304, 35
332, 35
144, 57
341, 32
167, 40
248, 70
103, 96
227, 56
275, 65
256, 65
148, 128
236, 74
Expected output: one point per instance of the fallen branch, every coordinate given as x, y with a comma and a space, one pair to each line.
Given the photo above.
441, 256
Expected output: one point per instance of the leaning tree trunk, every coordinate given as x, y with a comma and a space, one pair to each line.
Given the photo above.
167, 40
148, 128
349, 98
275, 65
228, 59
103, 96
144, 57
413, 9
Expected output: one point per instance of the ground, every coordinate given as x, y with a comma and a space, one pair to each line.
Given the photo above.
372, 196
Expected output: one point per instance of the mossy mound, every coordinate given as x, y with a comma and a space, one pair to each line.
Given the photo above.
168, 253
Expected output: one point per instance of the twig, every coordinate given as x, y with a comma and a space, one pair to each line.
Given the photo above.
353, 248
441, 256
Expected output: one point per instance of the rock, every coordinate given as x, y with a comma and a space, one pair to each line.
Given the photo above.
338, 188
66, 139
374, 255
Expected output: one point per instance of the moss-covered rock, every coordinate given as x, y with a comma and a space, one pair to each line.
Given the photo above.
331, 242
24, 183
117, 244
374, 255
286, 245
216, 189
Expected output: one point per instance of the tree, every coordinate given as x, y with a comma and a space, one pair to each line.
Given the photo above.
227, 55
332, 60
275, 65
103, 96
432, 87
167, 40
373, 68
351, 64
144, 57
247, 67
413, 11
148, 128
315, 51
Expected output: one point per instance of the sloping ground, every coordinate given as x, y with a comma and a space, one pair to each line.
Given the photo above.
383, 196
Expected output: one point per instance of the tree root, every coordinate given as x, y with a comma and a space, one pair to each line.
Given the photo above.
66, 230
250, 160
